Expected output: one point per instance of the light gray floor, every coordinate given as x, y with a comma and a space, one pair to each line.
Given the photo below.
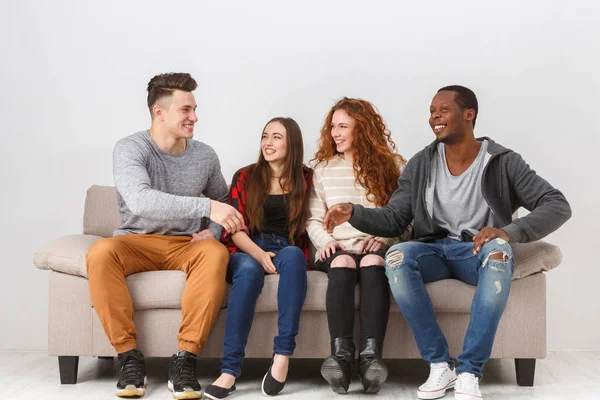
34, 375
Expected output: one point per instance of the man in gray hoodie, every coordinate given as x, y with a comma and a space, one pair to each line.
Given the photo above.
461, 192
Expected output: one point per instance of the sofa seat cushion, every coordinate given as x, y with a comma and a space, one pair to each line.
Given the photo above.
163, 289
159, 289
315, 293
156, 289
448, 295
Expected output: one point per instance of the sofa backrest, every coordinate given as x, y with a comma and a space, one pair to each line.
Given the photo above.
101, 215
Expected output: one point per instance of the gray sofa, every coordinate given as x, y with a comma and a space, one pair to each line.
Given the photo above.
74, 329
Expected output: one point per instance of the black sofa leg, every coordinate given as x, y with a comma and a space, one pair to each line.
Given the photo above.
525, 368
67, 366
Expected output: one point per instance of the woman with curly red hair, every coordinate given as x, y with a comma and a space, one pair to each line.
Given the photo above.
356, 162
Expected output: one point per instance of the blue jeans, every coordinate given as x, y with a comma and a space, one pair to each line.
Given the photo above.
248, 277
410, 265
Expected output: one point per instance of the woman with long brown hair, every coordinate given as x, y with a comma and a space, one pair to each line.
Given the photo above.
272, 196
356, 162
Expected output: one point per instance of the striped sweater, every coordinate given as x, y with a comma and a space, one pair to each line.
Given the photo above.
334, 183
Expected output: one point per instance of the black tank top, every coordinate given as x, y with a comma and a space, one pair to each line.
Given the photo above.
275, 215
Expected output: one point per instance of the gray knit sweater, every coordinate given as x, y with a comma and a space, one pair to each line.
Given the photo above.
161, 193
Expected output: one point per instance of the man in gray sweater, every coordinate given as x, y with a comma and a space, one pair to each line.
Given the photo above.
461, 193
170, 193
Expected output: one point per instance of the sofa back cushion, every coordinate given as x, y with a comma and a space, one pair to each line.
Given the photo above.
101, 215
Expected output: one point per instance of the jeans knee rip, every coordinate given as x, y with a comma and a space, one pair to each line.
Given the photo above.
395, 259
504, 260
497, 265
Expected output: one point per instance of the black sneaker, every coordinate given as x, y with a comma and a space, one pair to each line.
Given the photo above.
182, 376
132, 374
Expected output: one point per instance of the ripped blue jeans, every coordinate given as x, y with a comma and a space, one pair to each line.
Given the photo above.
410, 265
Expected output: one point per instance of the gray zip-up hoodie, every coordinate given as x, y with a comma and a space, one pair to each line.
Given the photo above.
508, 183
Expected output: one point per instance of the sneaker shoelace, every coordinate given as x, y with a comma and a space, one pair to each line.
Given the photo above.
468, 382
185, 371
130, 367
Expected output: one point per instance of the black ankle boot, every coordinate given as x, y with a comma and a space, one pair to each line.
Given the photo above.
338, 368
371, 368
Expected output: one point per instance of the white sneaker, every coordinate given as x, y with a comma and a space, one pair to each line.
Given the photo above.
441, 378
467, 387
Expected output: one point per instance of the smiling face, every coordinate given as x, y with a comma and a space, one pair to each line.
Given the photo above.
273, 143
178, 113
342, 131
448, 120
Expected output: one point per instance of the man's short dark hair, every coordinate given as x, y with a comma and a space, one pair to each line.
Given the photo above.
465, 98
162, 86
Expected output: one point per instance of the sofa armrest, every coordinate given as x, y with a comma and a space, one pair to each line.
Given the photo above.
534, 257
66, 254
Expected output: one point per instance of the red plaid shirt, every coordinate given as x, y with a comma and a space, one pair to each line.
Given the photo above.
237, 199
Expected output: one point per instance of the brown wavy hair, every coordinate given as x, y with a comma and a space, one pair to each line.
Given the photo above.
292, 181
375, 159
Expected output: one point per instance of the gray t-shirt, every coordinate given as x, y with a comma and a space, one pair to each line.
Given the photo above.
458, 203
160, 193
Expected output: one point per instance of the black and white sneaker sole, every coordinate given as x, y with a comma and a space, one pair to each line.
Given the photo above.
132, 390
186, 394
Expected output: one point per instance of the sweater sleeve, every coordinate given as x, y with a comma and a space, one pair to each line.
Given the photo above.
549, 207
393, 219
216, 189
317, 208
390, 241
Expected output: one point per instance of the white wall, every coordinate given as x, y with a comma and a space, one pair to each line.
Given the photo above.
73, 77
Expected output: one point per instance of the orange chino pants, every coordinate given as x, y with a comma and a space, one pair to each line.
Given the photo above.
204, 262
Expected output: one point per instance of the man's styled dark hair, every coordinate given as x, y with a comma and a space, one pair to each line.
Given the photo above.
162, 86
465, 98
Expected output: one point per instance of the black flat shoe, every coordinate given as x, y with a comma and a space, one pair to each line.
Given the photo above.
217, 392
271, 386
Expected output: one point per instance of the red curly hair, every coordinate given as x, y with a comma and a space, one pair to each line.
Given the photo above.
375, 158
